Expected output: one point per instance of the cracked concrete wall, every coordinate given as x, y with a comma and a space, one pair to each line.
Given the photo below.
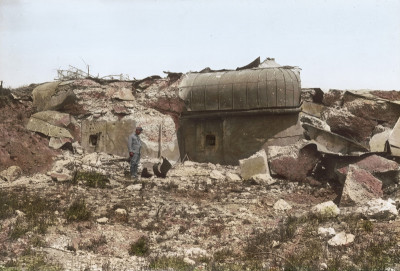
225, 140
107, 136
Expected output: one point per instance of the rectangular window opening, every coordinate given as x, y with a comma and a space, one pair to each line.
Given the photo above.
210, 140
94, 139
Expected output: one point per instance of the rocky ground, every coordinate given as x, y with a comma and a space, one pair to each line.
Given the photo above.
67, 209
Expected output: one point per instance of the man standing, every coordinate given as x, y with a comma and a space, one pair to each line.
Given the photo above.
134, 145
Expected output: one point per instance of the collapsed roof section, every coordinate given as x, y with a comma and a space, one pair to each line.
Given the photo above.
266, 85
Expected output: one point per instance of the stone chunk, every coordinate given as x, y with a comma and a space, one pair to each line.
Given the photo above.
374, 164
360, 186
255, 164
294, 162
134, 187
217, 175
379, 209
341, 239
60, 177
263, 179
232, 177
121, 211
326, 209
11, 174
102, 220
324, 232
282, 205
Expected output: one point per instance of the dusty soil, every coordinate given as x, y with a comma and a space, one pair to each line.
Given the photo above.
18, 146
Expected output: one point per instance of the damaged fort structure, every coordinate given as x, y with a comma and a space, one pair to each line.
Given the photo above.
231, 114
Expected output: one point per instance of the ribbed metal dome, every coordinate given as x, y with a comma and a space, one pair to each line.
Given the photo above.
273, 87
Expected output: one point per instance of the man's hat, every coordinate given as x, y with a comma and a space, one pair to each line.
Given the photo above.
139, 128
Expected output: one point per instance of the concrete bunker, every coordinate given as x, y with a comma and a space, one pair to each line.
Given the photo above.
231, 114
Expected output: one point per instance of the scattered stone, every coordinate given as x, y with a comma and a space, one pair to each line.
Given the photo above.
232, 177
189, 261
341, 239
20, 213
60, 177
360, 186
121, 211
217, 175
282, 205
326, 210
379, 209
255, 164
323, 266
263, 179
326, 232
11, 174
134, 187
102, 220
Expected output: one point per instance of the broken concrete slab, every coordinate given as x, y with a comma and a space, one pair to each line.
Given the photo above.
360, 186
364, 104
378, 142
53, 95
41, 126
329, 142
387, 171
55, 118
394, 139
255, 164
312, 109
348, 125
294, 162
374, 164
11, 174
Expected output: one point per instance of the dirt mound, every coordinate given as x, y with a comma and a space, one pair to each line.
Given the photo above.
18, 146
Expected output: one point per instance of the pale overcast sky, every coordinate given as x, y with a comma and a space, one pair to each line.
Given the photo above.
344, 44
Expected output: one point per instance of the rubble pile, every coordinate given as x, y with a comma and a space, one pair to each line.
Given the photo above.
327, 202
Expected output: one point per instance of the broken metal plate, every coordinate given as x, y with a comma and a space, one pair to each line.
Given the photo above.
333, 143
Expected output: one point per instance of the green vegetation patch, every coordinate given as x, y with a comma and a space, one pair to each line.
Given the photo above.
37, 213
90, 179
140, 247
78, 211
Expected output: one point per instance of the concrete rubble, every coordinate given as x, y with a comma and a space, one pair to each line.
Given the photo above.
345, 165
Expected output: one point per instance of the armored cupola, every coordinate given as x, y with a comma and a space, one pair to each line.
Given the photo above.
257, 86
